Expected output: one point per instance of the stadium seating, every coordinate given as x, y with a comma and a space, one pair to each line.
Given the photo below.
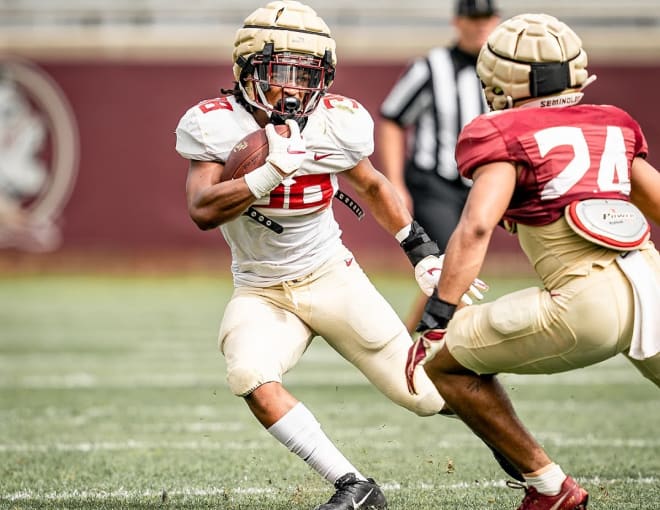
381, 28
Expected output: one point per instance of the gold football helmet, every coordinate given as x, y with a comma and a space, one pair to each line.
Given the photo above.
530, 56
285, 45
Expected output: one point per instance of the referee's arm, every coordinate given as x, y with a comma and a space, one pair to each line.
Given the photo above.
391, 151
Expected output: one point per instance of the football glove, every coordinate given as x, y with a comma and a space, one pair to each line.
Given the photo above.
427, 274
430, 336
286, 154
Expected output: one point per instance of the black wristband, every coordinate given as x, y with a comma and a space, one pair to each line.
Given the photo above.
437, 314
418, 244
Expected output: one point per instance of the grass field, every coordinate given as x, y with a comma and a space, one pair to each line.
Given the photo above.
112, 395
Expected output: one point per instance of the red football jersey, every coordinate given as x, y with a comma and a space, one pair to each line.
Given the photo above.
565, 154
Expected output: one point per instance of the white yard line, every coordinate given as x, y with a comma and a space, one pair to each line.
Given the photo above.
121, 493
588, 441
132, 445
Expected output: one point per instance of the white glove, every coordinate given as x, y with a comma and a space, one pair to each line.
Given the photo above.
286, 154
427, 274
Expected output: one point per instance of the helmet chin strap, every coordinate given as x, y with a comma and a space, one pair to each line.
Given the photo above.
291, 107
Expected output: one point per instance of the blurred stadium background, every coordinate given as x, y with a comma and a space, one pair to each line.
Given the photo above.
382, 29
105, 83
112, 394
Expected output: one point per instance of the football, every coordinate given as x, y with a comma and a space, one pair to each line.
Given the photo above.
249, 153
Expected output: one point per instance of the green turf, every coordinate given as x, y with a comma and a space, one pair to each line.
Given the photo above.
112, 395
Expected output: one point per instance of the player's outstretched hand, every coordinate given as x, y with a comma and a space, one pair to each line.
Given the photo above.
427, 274
286, 154
475, 292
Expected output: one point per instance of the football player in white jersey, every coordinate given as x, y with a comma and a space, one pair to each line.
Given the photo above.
294, 279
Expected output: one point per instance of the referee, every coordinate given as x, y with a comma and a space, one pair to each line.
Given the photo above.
421, 117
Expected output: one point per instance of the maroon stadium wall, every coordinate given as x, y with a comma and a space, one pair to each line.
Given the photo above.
128, 193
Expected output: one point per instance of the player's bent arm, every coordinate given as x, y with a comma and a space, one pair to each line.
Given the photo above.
211, 202
487, 202
645, 189
379, 195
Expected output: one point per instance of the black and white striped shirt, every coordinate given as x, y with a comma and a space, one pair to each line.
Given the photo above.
438, 94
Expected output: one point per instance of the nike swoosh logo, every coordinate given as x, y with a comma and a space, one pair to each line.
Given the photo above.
559, 502
348, 263
319, 157
357, 506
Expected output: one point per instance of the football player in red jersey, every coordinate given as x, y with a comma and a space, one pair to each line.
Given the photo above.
573, 182
294, 279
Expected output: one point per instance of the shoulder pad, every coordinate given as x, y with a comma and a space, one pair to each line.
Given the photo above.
208, 130
480, 142
351, 125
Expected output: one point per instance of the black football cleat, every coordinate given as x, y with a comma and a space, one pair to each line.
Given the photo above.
354, 494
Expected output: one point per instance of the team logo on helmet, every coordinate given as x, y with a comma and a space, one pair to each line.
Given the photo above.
530, 56
38, 157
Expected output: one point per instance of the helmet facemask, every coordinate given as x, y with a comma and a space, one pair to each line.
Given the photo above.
289, 73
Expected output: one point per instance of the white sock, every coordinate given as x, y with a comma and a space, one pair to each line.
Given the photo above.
301, 433
549, 481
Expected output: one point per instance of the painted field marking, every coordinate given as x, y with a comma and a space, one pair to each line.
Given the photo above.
252, 445
121, 493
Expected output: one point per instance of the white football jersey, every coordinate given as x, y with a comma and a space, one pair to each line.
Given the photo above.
338, 134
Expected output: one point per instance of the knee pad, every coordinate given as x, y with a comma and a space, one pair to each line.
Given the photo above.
244, 380
428, 403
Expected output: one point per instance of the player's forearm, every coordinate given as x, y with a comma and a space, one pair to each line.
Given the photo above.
386, 206
220, 203
486, 204
464, 258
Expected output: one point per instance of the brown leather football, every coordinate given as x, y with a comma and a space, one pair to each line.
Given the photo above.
249, 153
